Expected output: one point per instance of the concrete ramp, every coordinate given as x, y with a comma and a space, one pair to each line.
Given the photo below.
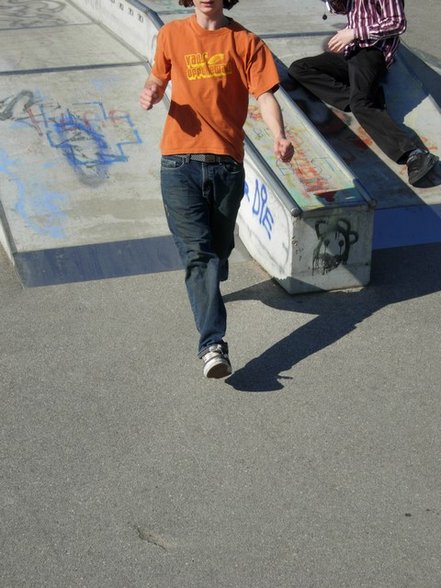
80, 161
78, 157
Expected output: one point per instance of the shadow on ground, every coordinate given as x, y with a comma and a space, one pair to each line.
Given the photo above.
397, 275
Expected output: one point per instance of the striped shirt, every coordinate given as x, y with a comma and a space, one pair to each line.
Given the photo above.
376, 23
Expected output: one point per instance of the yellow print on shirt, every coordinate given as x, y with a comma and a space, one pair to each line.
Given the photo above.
200, 66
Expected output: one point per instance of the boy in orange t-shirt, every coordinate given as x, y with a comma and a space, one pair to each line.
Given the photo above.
213, 64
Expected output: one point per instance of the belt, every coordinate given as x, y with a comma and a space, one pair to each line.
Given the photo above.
208, 157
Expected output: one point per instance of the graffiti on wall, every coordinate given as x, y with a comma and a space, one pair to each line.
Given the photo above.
43, 212
264, 223
90, 137
335, 239
9, 106
259, 206
87, 136
303, 169
24, 14
308, 170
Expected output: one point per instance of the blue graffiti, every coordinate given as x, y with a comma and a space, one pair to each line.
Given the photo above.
84, 144
44, 205
90, 137
260, 208
81, 143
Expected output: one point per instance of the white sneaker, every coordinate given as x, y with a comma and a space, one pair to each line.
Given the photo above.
216, 361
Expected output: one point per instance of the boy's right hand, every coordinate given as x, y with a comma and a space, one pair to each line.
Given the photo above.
150, 95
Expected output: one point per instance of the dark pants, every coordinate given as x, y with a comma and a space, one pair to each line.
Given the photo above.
353, 84
201, 203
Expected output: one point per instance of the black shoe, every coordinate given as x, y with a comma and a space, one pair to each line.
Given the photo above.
419, 164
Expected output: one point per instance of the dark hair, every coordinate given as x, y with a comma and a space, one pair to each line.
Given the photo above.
227, 3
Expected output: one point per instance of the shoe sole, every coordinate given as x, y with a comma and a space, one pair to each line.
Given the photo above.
218, 371
425, 170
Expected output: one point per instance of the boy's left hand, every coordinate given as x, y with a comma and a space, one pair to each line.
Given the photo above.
283, 149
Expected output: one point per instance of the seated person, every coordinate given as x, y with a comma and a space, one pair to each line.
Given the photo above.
348, 76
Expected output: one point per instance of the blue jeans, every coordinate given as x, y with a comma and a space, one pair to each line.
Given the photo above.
201, 202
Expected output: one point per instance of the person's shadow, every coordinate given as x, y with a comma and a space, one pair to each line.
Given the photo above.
397, 275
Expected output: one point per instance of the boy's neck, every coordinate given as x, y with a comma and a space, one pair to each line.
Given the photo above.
212, 22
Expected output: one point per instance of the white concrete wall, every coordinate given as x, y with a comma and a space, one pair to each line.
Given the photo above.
126, 20
265, 224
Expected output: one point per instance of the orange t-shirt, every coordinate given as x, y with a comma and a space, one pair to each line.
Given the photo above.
212, 74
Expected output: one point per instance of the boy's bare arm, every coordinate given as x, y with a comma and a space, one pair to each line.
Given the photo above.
272, 115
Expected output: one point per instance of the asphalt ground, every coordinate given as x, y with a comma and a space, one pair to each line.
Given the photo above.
316, 464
